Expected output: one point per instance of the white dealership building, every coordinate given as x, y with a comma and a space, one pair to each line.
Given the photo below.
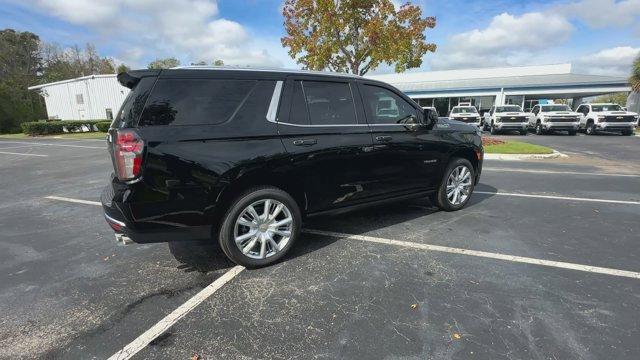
484, 87
91, 97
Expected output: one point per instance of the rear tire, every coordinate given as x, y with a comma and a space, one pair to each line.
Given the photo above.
444, 200
262, 240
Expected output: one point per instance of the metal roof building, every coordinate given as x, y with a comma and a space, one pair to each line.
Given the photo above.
93, 97
523, 85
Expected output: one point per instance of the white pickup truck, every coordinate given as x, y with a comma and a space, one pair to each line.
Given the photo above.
467, 114
503, 118
606, 117
553, 117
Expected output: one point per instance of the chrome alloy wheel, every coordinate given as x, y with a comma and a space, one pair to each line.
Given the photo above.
459, 185
263, 228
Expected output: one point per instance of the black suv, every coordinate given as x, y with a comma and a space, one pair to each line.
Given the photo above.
244, 155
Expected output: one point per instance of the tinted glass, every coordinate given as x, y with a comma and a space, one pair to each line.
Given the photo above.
195, 102
385, 107
133, 105
465, 109
610, 107
546, 108
511, 108
298, 113
329, 103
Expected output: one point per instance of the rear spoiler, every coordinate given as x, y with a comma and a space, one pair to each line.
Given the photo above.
131, 78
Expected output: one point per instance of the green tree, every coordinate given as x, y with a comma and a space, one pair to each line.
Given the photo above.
164, 63
217, 62
616, 98
68, 63
634, 79
122, 68
20, 65
355, 35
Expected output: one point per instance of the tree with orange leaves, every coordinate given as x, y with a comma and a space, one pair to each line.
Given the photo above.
355, 35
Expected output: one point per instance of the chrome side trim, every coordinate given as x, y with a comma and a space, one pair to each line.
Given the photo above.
109, 218
275, 100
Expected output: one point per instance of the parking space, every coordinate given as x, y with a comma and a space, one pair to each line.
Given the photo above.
551, 275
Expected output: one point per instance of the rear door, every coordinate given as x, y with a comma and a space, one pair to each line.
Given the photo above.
322, 125
407, 153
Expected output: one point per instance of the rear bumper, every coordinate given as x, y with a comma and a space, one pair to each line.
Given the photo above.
119, 218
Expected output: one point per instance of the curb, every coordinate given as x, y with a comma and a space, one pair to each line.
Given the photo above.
515, 157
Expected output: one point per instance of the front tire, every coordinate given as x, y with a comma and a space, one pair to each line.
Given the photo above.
540, 129
591, 129
627, 132
260, 227
457, 185
523, 132
572, 132
494, 131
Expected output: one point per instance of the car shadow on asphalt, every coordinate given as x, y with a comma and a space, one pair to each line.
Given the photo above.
206, 256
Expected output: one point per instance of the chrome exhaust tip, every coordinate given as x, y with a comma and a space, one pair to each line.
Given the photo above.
124, 239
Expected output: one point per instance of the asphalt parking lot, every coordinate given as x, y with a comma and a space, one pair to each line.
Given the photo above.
543, 264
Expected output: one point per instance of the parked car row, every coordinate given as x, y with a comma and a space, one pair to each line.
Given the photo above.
548, 118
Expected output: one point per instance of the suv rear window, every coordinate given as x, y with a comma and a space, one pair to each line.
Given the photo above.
195, 101
134, 104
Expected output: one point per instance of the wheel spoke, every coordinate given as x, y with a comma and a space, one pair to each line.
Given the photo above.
274, 245
252, 211
283, 222
250, 245
283, 233
244, 222
263, 247
241, 238
267, 209
276, 212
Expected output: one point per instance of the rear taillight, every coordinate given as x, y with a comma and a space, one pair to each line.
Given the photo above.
127, 150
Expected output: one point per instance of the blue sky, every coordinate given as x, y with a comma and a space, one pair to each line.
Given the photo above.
596, 36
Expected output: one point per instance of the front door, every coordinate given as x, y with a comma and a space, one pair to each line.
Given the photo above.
408, 155
322, 126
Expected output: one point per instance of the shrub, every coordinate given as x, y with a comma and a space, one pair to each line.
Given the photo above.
59, 127
103, 126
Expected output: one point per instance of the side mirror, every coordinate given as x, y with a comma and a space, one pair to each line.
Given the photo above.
430, 118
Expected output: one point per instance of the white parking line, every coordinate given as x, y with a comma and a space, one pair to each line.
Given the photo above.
77, 201
555, 172
46, 144
483, 254
559, 197
163, 325
13, 153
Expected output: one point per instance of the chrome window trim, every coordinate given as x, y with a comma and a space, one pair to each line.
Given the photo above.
272, 112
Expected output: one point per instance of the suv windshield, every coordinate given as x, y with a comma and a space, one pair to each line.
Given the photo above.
611, 107
513, 108
555, 108
465, 109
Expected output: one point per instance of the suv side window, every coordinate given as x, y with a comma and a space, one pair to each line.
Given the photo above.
328, 103
385, 107
195, 101
298, 113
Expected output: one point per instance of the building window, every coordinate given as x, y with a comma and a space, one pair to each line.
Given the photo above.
79, 99
109, 114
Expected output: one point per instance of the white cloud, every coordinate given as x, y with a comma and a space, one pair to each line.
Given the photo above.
603, 13
614, 61
191, 30
507, 40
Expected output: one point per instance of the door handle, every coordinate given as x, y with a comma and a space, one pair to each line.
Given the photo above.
305, 142
383, 138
